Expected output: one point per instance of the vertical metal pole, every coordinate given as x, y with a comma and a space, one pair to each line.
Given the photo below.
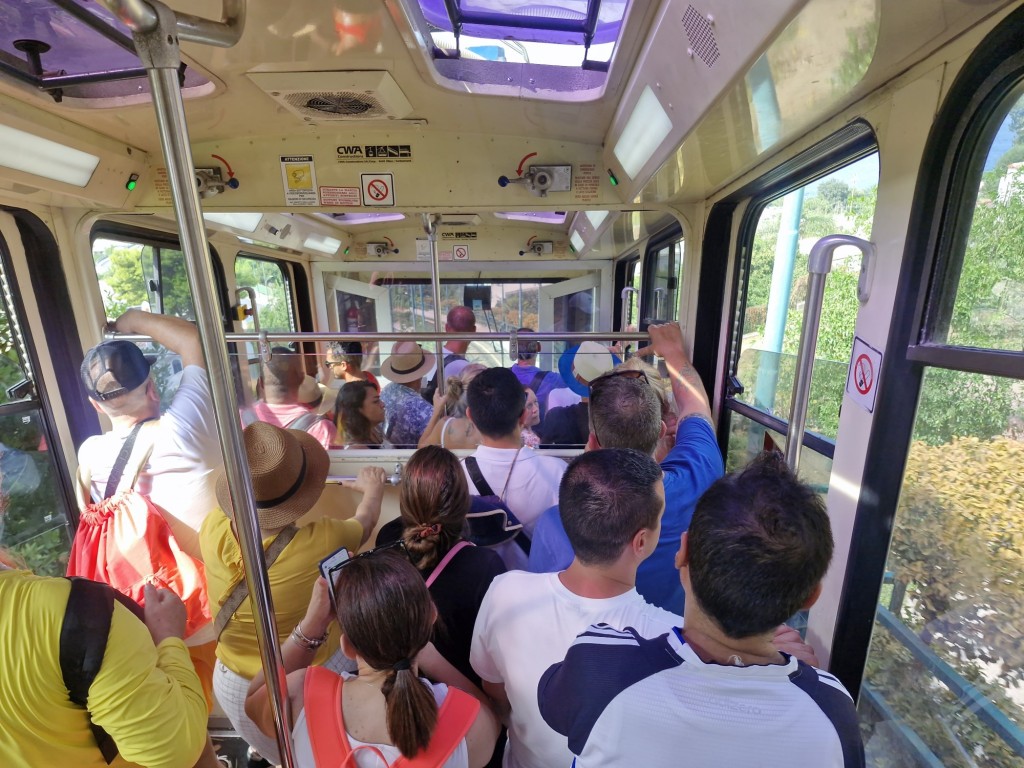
819, 264
430, 222
158, 49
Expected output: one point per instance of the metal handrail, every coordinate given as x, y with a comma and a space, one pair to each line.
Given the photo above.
819, 264
420, 336
141, 16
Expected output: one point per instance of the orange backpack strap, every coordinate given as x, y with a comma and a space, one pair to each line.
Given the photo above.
454, 719
321, 697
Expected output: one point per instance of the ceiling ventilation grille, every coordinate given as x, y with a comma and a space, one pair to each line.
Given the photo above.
701, 35
336, 96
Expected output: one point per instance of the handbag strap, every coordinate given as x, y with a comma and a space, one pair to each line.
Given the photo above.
445, 560
508, 479
241, 589
483, 489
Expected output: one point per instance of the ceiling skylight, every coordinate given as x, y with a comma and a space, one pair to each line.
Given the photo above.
547, 50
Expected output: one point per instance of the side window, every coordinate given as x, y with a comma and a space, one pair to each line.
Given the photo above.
664, 273
273, 287
149, 275
33, 524
776, 282
946, 658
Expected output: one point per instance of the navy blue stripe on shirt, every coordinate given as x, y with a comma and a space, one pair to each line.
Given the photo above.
833, 700
601, 663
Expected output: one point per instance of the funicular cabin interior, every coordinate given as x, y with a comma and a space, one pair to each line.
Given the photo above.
352, 169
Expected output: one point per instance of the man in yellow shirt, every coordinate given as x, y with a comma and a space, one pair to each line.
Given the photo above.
146, 695
288, 469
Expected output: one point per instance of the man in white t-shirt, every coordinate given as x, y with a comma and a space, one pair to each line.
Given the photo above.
180, 476
612, 502
523, 478
716, 692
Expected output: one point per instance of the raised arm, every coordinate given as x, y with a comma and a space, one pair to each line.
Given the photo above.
175, 333
370, 483
687, 388
297, 656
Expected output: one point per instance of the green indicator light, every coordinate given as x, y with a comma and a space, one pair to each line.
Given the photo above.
346, 250
133, 181
612, 179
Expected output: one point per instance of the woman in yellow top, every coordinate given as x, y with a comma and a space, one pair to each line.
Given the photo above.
146, 695
288, 469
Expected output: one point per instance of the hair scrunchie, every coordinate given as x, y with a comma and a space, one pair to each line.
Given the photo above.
430, 530
402, 665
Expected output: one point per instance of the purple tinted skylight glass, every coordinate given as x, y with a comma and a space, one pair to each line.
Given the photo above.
607, 31
540, 217
75, 47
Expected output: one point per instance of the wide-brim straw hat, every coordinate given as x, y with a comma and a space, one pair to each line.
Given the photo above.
288, 468
587, 361
406, 363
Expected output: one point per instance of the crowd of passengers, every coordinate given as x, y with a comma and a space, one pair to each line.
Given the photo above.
623, 608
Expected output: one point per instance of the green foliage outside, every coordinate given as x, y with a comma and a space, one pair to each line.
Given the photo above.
955, 560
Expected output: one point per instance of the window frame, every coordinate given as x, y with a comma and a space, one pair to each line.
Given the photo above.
936, 231
287, 276
666, 238
843, 148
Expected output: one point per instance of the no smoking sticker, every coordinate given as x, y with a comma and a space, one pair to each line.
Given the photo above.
862, 381
378, 188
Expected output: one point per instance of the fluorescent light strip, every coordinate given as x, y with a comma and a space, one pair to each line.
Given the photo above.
322, 243
646, 128
246, 222
23, 151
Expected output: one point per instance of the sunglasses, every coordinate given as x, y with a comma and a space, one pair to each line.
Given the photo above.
330, 363
599, 383
335, 570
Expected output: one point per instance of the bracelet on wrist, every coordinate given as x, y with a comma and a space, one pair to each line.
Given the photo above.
309, 643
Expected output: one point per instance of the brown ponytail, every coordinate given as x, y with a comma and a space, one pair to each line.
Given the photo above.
434, 501
387, 614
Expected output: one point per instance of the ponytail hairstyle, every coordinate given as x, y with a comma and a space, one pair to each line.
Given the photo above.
434, 502
455, 389
388, 615
348, 417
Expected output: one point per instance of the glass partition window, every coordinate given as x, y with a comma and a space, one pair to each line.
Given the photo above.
843, 202
988, 298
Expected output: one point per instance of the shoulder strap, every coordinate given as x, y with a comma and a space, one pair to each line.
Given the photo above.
445, 560
538, 379
321, 697
83, 641
114, 479
303, 422
454, 719
482, 488
241, 589
444, 429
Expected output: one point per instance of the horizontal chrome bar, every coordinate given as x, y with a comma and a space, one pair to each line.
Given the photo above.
422, 337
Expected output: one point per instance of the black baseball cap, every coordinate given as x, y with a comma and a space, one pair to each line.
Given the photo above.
115, 367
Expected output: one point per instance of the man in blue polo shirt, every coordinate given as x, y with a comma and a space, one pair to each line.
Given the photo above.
625, 413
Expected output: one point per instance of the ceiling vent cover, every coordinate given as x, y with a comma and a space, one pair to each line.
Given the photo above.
701, 34
335, 96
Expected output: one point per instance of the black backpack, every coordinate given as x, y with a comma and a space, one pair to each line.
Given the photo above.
83, 641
